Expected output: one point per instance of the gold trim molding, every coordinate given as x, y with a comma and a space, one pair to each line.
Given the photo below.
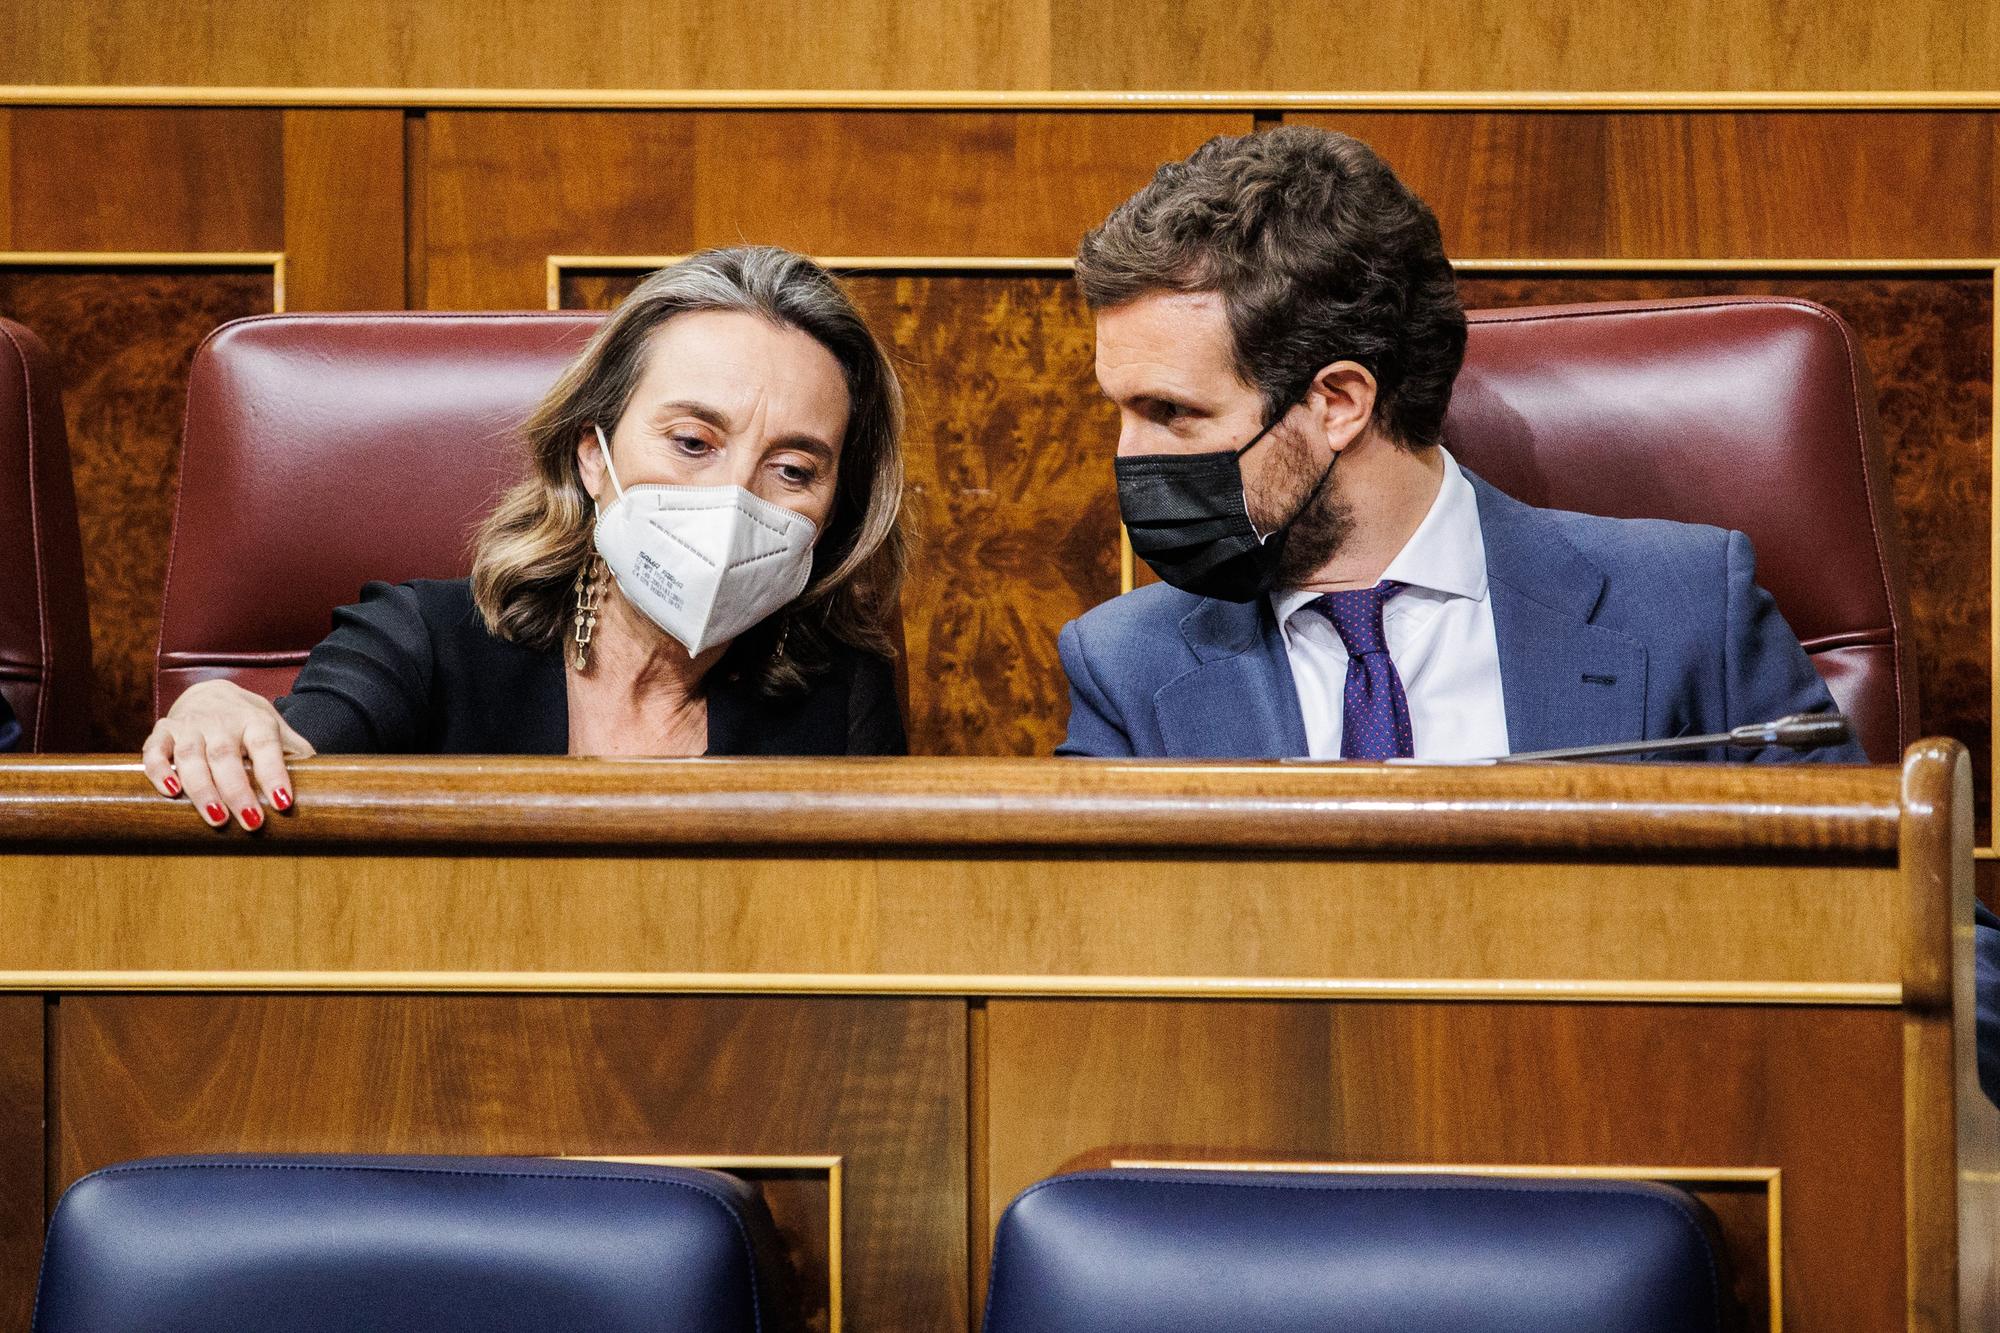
836, 1210
946, 99
557, 266
1558, 990
1769, 1178
272, 259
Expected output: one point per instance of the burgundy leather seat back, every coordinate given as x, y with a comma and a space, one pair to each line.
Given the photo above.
322, 451
1752, 413
44, 623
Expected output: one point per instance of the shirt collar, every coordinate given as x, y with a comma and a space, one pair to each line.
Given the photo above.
1446, 554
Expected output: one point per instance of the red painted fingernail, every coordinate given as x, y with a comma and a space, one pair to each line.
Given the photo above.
173, 785
253, 818
216, 814
282, 799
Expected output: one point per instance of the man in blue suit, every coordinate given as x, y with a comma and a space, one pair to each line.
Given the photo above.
1279, 327
10, 730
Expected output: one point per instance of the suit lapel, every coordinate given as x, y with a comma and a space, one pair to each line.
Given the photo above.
1239, 702
1565, 681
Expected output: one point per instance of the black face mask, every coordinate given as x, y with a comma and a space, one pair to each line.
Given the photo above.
1188, 519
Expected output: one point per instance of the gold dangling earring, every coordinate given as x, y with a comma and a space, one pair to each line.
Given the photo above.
784, 632
589, 589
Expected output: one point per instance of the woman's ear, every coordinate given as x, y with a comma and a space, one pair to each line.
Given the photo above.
590, 463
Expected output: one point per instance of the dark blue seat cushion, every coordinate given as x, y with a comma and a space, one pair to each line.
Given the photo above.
1252, 1252
387, 1244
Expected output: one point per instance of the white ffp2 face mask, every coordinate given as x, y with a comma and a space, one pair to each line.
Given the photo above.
704, 563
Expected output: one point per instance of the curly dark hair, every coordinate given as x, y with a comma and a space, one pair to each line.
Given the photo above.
1319, 253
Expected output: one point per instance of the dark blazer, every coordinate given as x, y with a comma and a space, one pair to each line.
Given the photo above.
1986, 986
1609, 630
10, 730
411, 669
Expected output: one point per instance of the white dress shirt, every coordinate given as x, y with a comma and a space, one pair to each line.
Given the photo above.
1440, 634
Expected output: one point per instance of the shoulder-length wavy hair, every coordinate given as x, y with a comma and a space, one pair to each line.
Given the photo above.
527, 553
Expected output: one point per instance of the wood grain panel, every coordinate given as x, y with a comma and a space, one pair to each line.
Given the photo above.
564, 182
1053, 924
856, 183
92, 178
880, 1082
1581, 1085
589, 44
343, 210
1694, 184
1075, 1084
124, 339
22, 1171
928, 183
1490, 44
1587, 44
7, 177
1928, 340
1010, 494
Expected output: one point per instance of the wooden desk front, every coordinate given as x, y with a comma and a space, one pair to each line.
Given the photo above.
897, 992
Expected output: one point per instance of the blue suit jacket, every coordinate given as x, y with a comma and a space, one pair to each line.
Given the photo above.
10, 730
1609, 630
1986, 981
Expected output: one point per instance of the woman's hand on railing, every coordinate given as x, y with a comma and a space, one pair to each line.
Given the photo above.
224, 748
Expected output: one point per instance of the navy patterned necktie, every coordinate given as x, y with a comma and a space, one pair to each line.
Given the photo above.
1374, 716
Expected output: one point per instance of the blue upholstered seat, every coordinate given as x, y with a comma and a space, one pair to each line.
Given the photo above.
388, 1244
1242, 1252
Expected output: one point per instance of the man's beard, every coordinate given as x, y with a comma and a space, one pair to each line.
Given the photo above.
1324, 519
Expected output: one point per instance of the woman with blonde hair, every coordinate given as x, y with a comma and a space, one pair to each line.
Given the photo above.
704, 557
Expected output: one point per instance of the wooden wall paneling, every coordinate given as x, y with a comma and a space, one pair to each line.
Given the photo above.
1117, 44
22, 1170
1737, 1085
563, 182
854, 183
147, 179
1010, 494
6, 177
124, 337
343, 202
928, 183
1079, 1084
1673, 185
416, 209
1493, 44
839, 44
1928, 339
591, 44
879, 1082
1073, 1084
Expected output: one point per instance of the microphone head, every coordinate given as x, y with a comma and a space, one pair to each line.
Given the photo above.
1800, 731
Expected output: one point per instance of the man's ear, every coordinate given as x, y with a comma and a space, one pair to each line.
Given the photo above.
1341, 402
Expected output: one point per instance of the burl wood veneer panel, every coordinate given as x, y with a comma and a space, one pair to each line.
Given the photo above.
1078, 1084
1014, 514
879, 1082
823, 182
1671, 185
124, 339
22, 1171
1928, 340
